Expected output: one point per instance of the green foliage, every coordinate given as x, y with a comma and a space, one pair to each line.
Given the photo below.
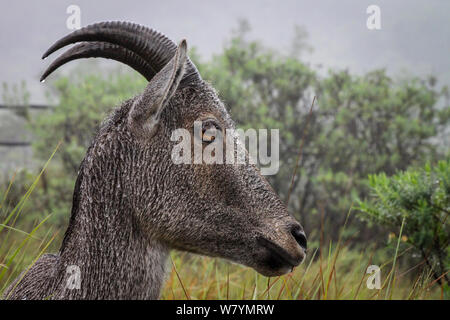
422, 197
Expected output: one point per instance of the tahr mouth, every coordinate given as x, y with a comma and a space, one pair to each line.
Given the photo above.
279, 257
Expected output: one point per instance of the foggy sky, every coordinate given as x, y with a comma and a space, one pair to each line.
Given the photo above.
414, 38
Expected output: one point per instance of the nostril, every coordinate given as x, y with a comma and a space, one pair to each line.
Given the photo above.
299, 236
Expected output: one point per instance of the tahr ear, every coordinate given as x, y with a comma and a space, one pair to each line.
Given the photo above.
146, 110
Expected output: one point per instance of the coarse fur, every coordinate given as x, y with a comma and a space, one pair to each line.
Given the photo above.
132, 204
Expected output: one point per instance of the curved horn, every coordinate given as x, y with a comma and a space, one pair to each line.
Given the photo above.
102, 50
155, 48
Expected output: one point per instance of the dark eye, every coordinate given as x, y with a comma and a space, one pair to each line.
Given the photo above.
209, 129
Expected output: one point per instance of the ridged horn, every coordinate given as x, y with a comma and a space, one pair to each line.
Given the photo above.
102, 50
155, 48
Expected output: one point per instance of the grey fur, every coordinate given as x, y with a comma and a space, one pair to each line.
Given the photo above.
132, 204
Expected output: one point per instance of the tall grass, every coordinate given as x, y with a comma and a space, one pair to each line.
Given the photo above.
330, 272
20, 249
338, 275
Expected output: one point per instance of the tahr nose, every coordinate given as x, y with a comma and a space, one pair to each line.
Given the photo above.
299, 235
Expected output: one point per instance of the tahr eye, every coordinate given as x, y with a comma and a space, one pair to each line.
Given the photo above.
209, 129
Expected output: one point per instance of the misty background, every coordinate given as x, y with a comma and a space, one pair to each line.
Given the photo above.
414, 39
414, 36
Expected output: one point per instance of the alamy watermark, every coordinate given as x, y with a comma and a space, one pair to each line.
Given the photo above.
374, 280
73, 22
210, 147
74, 279
374, 20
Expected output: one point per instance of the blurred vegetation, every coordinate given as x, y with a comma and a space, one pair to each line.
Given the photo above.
360, 125
363, 129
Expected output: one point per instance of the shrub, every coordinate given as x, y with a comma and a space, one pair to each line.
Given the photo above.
422, 197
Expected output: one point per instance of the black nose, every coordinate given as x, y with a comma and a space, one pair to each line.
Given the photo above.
299, 236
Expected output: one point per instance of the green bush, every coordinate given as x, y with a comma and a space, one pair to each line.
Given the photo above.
422, 198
